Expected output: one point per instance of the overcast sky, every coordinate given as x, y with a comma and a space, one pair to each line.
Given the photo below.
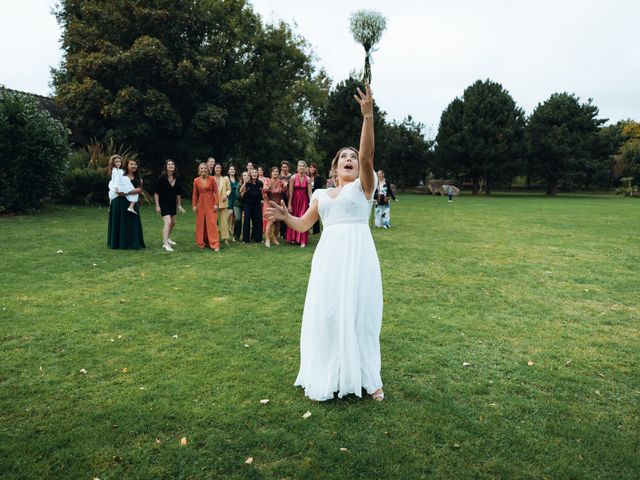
431, 51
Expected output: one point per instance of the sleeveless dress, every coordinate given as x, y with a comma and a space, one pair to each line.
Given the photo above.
299, 205
339, 340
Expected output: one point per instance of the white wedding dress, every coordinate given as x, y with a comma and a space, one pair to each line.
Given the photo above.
339, 341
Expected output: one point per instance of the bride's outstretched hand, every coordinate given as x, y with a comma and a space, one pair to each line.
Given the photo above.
277, 212
365, 99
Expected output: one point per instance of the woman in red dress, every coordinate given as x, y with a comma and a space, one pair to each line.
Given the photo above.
205, 206
299, 195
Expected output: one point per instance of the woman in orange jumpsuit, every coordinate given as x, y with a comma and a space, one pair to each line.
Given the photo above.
205, 206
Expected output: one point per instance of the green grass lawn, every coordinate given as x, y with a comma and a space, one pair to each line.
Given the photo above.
510, 349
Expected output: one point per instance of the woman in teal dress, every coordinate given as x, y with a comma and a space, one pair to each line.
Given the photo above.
125, 228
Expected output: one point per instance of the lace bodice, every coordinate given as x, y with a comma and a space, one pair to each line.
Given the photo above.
350, 206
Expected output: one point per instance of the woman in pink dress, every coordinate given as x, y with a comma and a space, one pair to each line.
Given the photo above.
272, 191
299, 195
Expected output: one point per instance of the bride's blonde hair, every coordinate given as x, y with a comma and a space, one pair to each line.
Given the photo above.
333, 173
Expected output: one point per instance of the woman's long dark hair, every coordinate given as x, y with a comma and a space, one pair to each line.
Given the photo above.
164, 169
137, 173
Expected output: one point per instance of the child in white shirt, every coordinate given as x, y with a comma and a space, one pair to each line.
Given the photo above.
121, 183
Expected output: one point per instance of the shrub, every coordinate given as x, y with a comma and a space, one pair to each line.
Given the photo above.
86, 186
33, 152
87, 178
99, 153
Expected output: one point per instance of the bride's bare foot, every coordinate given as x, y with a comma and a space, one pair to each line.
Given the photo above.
275, 240
378, 395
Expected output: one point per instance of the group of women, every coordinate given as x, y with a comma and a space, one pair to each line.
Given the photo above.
339, 340
227, 208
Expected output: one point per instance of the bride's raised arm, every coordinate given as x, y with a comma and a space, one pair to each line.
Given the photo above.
367, 144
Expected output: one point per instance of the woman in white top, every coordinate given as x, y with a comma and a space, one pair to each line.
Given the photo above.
121, 183
339, 341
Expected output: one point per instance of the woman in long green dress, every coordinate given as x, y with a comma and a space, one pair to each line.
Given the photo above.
125, 228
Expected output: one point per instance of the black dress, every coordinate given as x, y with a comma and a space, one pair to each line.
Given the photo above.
167, 195
252, 212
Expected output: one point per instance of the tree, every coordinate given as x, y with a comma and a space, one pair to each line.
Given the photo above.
609, 142
561, 136
33, 151
482, 135
186, 79
627, 159
367, 27
493, 133
405, 154
450, 151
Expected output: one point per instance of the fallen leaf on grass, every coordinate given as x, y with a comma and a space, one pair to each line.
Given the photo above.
175, 336
466, 364
59, 251
246, 346
125, 369
306, 415
95, 264
343, 449
264, 401
158, 440
249, 460
122, 300
568, 363
456, 446
183, 441
83, 371
530, 363
119, 336
142, 274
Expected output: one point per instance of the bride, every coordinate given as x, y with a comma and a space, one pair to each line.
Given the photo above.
339, 341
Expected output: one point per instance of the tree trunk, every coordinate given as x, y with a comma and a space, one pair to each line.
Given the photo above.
476, 186
552, 186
